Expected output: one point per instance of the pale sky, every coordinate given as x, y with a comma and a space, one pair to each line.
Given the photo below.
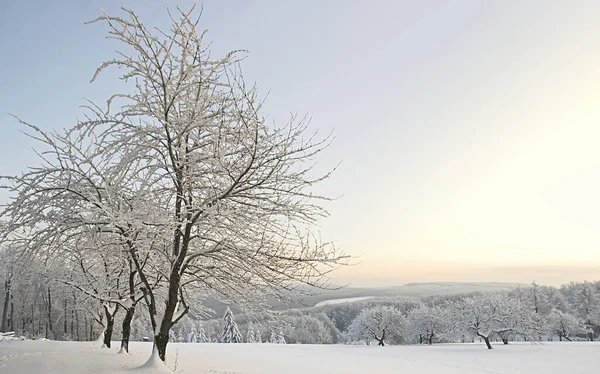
468, 131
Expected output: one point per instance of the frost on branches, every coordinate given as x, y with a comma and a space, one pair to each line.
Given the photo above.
277, 337
229, 331
494, 314
426, 322
380, 323
250, 335
181, 180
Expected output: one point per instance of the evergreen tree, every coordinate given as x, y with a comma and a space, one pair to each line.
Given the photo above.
257, 337
172, 338
280, 338
193, 335
230, 332
250, 336
202, 338
277, 337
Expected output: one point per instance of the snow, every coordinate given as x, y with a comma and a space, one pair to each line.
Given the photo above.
342, 301
82, 357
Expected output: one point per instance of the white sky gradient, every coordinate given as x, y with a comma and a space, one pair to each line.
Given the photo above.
468, 131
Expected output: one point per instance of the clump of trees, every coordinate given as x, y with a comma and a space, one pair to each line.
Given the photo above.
176, 188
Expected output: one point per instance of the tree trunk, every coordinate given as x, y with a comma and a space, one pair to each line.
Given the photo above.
110, 322
65, 331
11, 320
430, 339
49, 313
487, 342
420, 338
77, 324
5, 308
162, 338
505, 340
486, 339
127, 328
381, 343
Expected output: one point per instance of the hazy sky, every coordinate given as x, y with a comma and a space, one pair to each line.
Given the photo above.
468, 131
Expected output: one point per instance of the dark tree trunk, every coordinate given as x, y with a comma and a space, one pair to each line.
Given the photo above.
11, 320
487, 342
381, 343
110, 322
65, 331
127, 328
505, 340
162, 338
49, 313
430, 339
72, 324
6, 301
85, 324
486, 339
77, 324
420, 338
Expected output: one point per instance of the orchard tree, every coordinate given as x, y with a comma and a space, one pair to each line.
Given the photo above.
381, 323
426, 322
493, 314
563, 325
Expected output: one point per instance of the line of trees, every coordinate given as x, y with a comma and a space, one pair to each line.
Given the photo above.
527, 314
533, 313
176, 188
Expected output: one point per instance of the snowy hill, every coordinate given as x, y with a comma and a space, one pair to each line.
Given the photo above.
350, 294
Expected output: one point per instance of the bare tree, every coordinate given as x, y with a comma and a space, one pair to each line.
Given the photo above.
234, 189
185, 177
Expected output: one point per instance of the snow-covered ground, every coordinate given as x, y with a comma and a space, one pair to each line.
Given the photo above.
24, 357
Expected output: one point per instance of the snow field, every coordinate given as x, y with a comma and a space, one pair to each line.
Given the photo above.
25, 357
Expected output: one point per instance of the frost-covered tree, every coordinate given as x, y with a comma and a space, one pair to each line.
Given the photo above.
280, 338
307, 329
202, 338
257, 336
229, 330
250, 335
193, 334
380, 323
277, 337
426, 322
183, 172
181, 336
493, 314
563, 325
